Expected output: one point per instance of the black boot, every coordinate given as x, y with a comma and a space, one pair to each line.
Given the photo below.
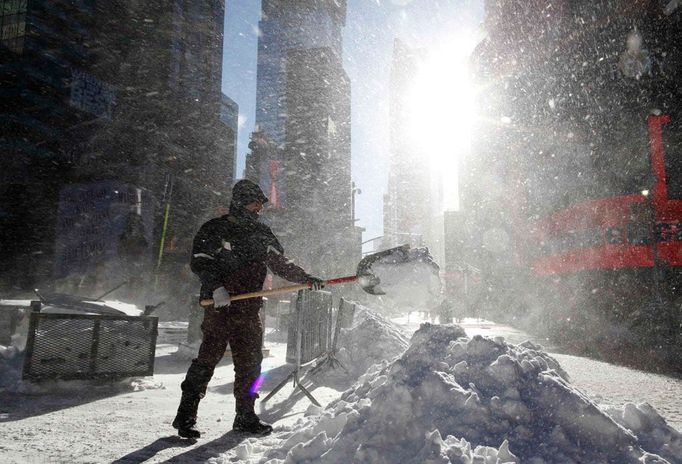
186, 428
193, 390
186, 418
249, 422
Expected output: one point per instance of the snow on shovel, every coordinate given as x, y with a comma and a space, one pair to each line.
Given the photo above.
406, 275
376, 273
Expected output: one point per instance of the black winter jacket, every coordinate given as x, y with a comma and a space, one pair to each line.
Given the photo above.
235, 251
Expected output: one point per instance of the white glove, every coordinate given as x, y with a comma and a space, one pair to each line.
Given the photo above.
221, 298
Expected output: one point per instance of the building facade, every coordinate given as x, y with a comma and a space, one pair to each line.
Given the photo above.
317, 150
229, 115
111, 136
412, 204
290, 25
300, 153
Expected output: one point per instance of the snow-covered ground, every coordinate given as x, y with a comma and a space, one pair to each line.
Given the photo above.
130, 421
448, 399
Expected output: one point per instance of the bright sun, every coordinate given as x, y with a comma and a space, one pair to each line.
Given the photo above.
442, 112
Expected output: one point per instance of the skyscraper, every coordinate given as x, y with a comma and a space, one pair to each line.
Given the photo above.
411, 204
289, 25
317, 151
106, 106
229, 115
301, 150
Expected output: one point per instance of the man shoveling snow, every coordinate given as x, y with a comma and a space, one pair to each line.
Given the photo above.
231, 255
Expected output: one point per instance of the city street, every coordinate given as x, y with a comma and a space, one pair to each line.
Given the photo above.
129, 422
175, 173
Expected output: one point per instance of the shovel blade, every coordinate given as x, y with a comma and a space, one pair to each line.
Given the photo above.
371, 283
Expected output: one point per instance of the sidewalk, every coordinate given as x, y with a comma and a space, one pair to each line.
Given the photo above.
130, 422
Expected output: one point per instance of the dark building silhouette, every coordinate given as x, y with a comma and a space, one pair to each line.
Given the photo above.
288, 25
110, 113
229, 115
300, 153
317, 150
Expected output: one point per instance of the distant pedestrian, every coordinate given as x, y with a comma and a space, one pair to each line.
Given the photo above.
231, 255
445, 312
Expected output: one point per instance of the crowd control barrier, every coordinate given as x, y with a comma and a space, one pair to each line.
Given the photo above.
312, 322
88, 346
311, 341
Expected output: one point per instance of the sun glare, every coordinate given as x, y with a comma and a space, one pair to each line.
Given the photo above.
442, 113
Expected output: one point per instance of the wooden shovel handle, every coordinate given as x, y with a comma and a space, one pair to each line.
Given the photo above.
281, 290
274, 291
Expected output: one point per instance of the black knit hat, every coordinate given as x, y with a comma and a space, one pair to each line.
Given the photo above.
245, 192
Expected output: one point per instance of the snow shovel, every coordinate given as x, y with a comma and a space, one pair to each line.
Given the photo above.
364, 276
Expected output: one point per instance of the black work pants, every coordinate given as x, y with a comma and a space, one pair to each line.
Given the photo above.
243, 331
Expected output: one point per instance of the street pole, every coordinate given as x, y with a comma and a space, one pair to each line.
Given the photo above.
354, 191
168, 194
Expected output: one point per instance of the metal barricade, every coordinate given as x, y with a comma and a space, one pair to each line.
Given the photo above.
311, 321
344, 320
308, 336
86, 346
195, 318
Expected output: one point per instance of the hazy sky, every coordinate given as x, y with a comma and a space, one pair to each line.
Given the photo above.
371, 27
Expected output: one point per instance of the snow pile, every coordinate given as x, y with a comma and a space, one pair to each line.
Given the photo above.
408, 277
650, 428
142, 384
450, 399
127, 309
371, 339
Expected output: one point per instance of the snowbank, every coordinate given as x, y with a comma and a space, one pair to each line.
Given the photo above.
371, 339
650, 429
450, 399
128, 309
